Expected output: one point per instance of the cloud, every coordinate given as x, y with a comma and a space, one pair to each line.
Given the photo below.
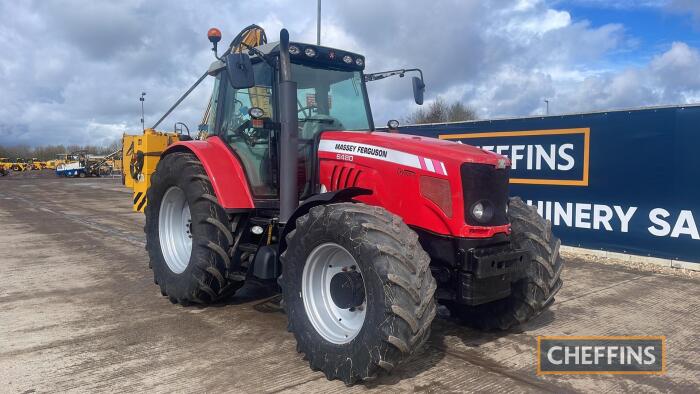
498, 56
691, 7
72, 71
619, 4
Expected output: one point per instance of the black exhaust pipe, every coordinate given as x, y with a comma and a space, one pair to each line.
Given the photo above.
289, 134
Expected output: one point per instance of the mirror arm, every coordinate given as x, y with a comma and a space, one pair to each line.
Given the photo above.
385, 74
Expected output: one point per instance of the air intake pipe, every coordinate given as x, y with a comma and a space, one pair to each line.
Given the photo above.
289, 134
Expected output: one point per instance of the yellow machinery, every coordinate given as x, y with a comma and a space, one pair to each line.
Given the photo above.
127, 154
19, 164
61, 158
140, 156
37, 164
4, 166
116, 163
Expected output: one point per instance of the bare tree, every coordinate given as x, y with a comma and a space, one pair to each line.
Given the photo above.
439, 111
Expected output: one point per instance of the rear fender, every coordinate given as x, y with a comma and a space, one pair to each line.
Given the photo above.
223, 168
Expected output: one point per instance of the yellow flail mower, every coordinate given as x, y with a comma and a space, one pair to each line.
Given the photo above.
140, 155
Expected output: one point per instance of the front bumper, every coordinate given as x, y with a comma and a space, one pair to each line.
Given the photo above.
473, 271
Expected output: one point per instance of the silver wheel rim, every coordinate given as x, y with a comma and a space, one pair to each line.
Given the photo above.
174, 229
334, 324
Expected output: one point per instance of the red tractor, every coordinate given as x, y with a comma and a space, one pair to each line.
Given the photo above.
364, 231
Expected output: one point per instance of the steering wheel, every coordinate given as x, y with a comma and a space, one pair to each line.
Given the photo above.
307, 108
249, 134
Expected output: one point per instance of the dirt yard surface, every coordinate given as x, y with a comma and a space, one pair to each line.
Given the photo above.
79, 312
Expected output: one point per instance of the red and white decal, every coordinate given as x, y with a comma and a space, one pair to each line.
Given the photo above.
433, 165
384, 154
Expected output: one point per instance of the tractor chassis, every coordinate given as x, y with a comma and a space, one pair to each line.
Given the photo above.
468, 271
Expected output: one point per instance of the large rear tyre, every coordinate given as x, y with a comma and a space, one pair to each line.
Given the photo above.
358, 291
535, 292
188, 236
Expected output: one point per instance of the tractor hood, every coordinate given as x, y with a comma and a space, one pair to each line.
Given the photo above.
371, 143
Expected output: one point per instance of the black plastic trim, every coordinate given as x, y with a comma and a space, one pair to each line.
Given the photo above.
473, 271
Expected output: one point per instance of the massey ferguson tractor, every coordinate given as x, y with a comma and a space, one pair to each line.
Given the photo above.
364, 231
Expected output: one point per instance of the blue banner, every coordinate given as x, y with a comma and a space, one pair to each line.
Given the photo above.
622, 181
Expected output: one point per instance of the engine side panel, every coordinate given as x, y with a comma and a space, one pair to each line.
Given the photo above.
223, 168
392, 167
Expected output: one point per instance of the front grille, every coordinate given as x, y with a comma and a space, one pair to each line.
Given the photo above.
485, 182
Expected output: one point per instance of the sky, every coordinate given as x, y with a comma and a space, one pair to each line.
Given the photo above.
72, 71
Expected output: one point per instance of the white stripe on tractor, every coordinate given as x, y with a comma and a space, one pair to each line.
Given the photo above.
429, 165
392, 156
444, 170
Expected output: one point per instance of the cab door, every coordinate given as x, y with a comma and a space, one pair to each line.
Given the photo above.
252, 145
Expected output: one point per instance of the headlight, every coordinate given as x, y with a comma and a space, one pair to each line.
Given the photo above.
359, 61
482, 211
294, 50
347, 59
310, 52
478, 211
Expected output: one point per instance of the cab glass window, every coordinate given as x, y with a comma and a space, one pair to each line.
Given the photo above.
251, 144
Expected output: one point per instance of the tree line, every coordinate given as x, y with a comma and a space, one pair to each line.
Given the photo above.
440, 111
49, 152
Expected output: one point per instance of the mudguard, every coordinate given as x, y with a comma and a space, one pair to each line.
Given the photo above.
223, 168
343, 195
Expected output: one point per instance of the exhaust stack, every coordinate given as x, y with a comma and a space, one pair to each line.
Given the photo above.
289, 135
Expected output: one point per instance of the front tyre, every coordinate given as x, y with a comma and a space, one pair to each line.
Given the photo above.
535, 292
188, 234
358, 291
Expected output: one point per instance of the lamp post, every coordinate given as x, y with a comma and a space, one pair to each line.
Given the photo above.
143, 121
546, 101
318, 24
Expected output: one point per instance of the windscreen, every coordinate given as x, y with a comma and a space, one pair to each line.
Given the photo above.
329, 100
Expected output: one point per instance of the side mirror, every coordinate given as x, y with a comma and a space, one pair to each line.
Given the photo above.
240, 71
418, 90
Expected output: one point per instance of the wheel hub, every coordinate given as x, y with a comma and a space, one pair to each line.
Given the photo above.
175, 229
333, 292
347, 289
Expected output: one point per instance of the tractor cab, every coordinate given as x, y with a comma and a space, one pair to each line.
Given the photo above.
331, 95
245, 108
